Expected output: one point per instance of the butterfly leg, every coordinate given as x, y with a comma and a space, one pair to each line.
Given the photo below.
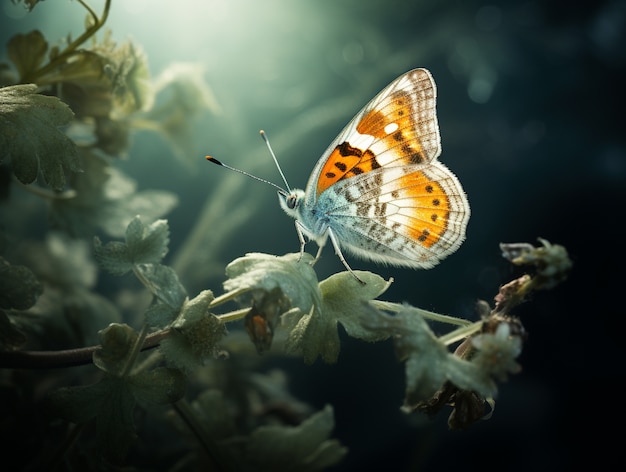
333, 239
303, 241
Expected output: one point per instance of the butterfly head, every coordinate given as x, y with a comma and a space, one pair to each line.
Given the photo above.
291, 201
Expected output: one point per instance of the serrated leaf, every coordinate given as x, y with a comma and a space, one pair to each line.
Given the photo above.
147, 244
294, 275
27, 52
163, 282
160, 315
161, 386
20, 287
428, 363
305, 447
195, 335
112, 257
30, 138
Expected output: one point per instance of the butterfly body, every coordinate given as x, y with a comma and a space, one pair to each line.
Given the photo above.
379, 191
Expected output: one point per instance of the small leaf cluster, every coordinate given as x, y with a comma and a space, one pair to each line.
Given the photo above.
465, 379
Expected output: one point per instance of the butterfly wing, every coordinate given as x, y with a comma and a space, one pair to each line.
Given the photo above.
380, 187
396, 128
412, 216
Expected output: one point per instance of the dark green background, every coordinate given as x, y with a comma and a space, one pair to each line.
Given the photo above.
541, 155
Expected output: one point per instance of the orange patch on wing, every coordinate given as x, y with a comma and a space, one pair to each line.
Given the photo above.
344, 162
393, 123
424, 209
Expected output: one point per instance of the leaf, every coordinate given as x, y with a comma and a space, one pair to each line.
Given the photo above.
27, 52
182, 95
305, 447
116, 342
132, 86
313, 334
144, 244
344, 300
295, 277
30, 138
62, 262
160, 315
426, 357
163, 282
112, 257
20, 287
428, 364
195, 335
107, 200
110, 402
161, 386
147, 244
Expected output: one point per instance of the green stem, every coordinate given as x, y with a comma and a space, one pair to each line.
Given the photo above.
134, 352
69, 50
64, 358
185, 411
429, 315
461, 333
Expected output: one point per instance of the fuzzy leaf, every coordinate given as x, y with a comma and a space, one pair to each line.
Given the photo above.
160, 315
29, 136
195, 334
346, 300
163, 282
27, 52
295, 277
161, 386
20, 287
112, 257
147, 244
144, 244
305, 447
429, 364
313, 334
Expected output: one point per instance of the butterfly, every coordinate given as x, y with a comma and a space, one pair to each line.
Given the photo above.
378, 191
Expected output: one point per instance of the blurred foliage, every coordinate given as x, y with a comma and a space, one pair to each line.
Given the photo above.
68, 111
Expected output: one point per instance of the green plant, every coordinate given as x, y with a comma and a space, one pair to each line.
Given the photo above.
66, 115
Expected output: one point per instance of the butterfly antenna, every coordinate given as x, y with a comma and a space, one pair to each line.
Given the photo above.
219, 163
269, 147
